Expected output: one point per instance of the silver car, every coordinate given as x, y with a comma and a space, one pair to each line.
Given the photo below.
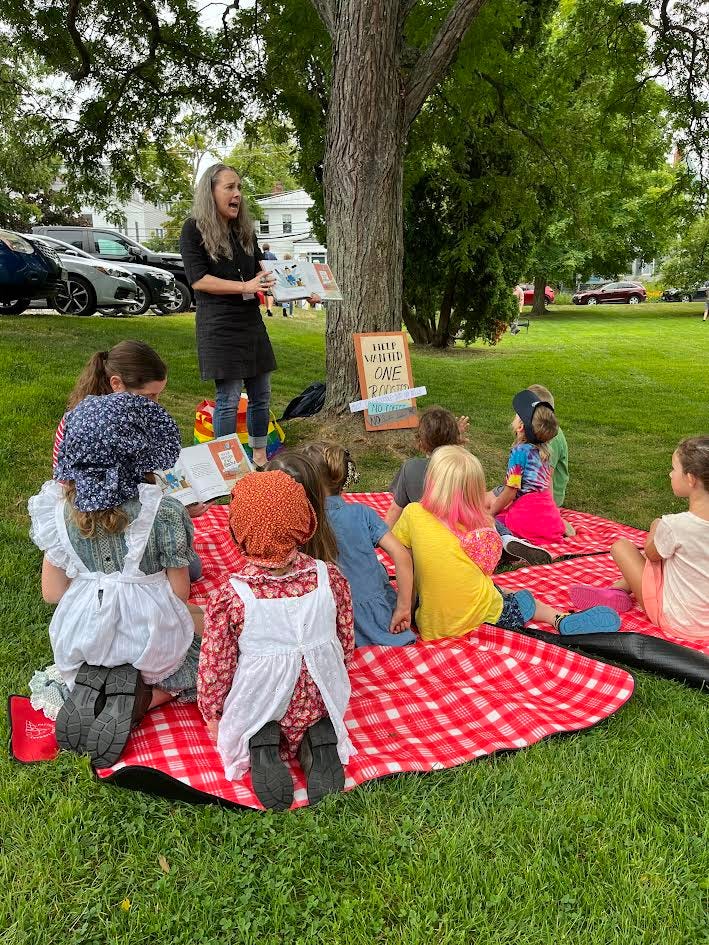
90, 284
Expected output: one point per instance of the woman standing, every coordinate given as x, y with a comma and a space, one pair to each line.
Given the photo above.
221, 258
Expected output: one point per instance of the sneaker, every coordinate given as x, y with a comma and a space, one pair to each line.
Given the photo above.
85, 701
127, 700
583, 596
270, 777
526, 551
593, 620
320, 761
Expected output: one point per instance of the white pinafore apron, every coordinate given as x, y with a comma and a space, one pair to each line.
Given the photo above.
278, 635
123, 617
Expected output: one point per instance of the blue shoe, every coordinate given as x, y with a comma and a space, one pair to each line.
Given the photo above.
593, 620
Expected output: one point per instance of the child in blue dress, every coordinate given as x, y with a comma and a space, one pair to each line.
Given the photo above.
382, 616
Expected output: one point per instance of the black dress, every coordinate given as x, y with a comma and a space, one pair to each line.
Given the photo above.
232, 341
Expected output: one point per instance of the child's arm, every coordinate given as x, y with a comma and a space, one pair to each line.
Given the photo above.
54, 582
179, 579
403, 563
501, 501
340, 588
651, 552
223, 623
393, 514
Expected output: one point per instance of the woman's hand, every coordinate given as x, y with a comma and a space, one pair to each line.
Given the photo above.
261, 282
313, 299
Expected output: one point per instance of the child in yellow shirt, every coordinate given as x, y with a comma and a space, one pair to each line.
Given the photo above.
455, 549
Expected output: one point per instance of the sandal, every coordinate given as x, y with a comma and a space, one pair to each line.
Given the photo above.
270, 778
77, 714
593, 620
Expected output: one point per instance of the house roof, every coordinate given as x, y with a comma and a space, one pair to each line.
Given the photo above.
290, 198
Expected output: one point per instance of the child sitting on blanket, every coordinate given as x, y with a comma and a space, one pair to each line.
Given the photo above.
525, 505
558, 458
456, 548
133, 367
670, 581
382, 615
323, 544
116, 556
278, 637
437, 427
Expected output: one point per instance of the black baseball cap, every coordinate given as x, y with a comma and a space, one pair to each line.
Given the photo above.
524, 404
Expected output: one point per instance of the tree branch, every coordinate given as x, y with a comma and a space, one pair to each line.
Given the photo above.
405, 7
85, 69
436, 60
326, 12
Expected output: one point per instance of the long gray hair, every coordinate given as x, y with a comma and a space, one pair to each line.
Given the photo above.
214, 228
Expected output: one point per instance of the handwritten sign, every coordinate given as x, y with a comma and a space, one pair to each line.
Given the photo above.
383, 367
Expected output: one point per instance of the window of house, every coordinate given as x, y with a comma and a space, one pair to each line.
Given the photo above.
287, 224
263, 226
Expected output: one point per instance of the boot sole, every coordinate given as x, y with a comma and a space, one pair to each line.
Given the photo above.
326, 775
270, 778
527, 553
78, 713
111, 729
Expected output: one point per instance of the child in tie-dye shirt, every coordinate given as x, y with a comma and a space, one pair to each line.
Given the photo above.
525, 505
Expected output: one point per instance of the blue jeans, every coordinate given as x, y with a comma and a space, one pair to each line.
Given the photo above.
258, 390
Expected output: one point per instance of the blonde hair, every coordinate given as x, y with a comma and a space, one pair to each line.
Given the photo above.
543, 393
454, 489
332, 462
216, 231
112, 521
545, 426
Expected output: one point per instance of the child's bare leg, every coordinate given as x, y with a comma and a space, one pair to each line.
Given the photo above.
543, 613
197, 618
631, 563
159, 697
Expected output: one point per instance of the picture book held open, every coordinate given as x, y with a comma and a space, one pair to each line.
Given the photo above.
298, 279
206, 471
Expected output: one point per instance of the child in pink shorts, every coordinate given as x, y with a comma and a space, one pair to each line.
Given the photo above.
670, 581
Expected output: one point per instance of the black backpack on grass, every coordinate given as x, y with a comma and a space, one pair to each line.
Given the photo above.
310, 402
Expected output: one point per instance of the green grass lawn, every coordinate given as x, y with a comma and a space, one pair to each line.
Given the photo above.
596, 839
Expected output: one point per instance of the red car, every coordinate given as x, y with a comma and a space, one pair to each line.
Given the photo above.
630, 292
528, 288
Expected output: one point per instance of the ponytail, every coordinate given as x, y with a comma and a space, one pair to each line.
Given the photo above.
136, 363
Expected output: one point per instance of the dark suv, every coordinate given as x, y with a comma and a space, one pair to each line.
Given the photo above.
110, 244
631, 292
26, 272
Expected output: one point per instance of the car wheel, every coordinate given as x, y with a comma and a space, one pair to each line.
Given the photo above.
685, 297
634, 300
76, 297
142, 300
14, 307
182, 301
592, 300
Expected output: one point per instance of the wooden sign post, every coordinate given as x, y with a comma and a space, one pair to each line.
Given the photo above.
383, 367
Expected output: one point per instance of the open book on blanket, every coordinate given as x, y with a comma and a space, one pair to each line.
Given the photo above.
297, 279
206, 471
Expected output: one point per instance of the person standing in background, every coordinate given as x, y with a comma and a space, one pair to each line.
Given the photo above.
267, 254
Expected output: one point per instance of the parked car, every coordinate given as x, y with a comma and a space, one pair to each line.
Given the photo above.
26, 271
686, 295
90, 284
528, 288
155, 287
630, 292
113, 246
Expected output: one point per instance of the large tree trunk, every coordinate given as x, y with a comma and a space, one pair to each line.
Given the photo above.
443, 329
363, 183
539, 305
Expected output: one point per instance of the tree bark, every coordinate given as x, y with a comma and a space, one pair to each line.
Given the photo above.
443, 329
363, 183
370, 111
539, 304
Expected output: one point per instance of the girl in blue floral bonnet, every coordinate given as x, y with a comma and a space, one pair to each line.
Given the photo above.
116, 557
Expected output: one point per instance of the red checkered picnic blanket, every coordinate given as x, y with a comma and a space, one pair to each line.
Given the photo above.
550, 584
216, 549
417, 708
